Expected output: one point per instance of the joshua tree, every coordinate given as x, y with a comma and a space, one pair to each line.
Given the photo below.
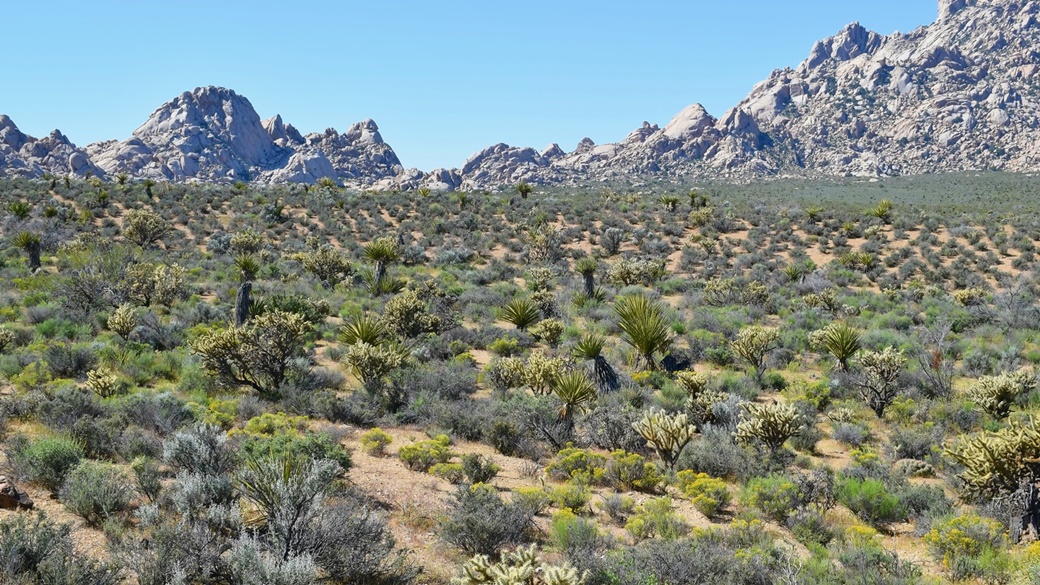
382, 253
242, 303
575, 391
586, 266
30, 244
148, 184
590, 348
882, 211
671, 202
643, 327
523, 189
19, 209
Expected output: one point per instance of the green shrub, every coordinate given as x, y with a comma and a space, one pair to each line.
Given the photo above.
631, 471
478, 469
655, 519
967, 545
451, 472
572, 496
533, 499
422, 455
775, 495
580, 464
47, 461
870, 500
308, 445
96, 490
573, 534
35, 550
505, 347
375, 441
479, 522
708, 494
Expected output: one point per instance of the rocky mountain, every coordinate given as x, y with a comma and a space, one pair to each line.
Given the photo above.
960, 94
214, 134
22, 155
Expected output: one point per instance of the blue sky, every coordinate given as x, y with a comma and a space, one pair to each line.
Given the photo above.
442, 79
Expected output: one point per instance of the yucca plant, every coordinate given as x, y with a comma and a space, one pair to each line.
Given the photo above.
575, 391
248, 267
523, 189
882, 211
521, 312
30, 243
842, 342
19, 209
388, 285
671, 202
644, 328
382, 252
363, 328
586, 267
590, 348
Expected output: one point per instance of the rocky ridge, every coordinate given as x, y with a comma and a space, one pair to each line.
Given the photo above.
960, 94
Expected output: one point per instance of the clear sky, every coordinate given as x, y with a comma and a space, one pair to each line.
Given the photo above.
442, 79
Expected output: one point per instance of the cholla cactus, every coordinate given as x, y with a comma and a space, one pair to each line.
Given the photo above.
522, 567
702, 406
771, 424
504, 373
123, 321
877, 384
406, 315
692, 382
6, 338
997, 463
541, 371
970, 297
666, 433
103, 382
326, 264
753, 344
827, 300
550, 330
996, 394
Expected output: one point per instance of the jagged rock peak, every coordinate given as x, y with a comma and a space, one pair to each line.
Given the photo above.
281, 133
852, 41
948, 8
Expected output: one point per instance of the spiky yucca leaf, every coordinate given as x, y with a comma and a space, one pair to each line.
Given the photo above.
842, 342
522, 313
575, 390
363, 328
644, 328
